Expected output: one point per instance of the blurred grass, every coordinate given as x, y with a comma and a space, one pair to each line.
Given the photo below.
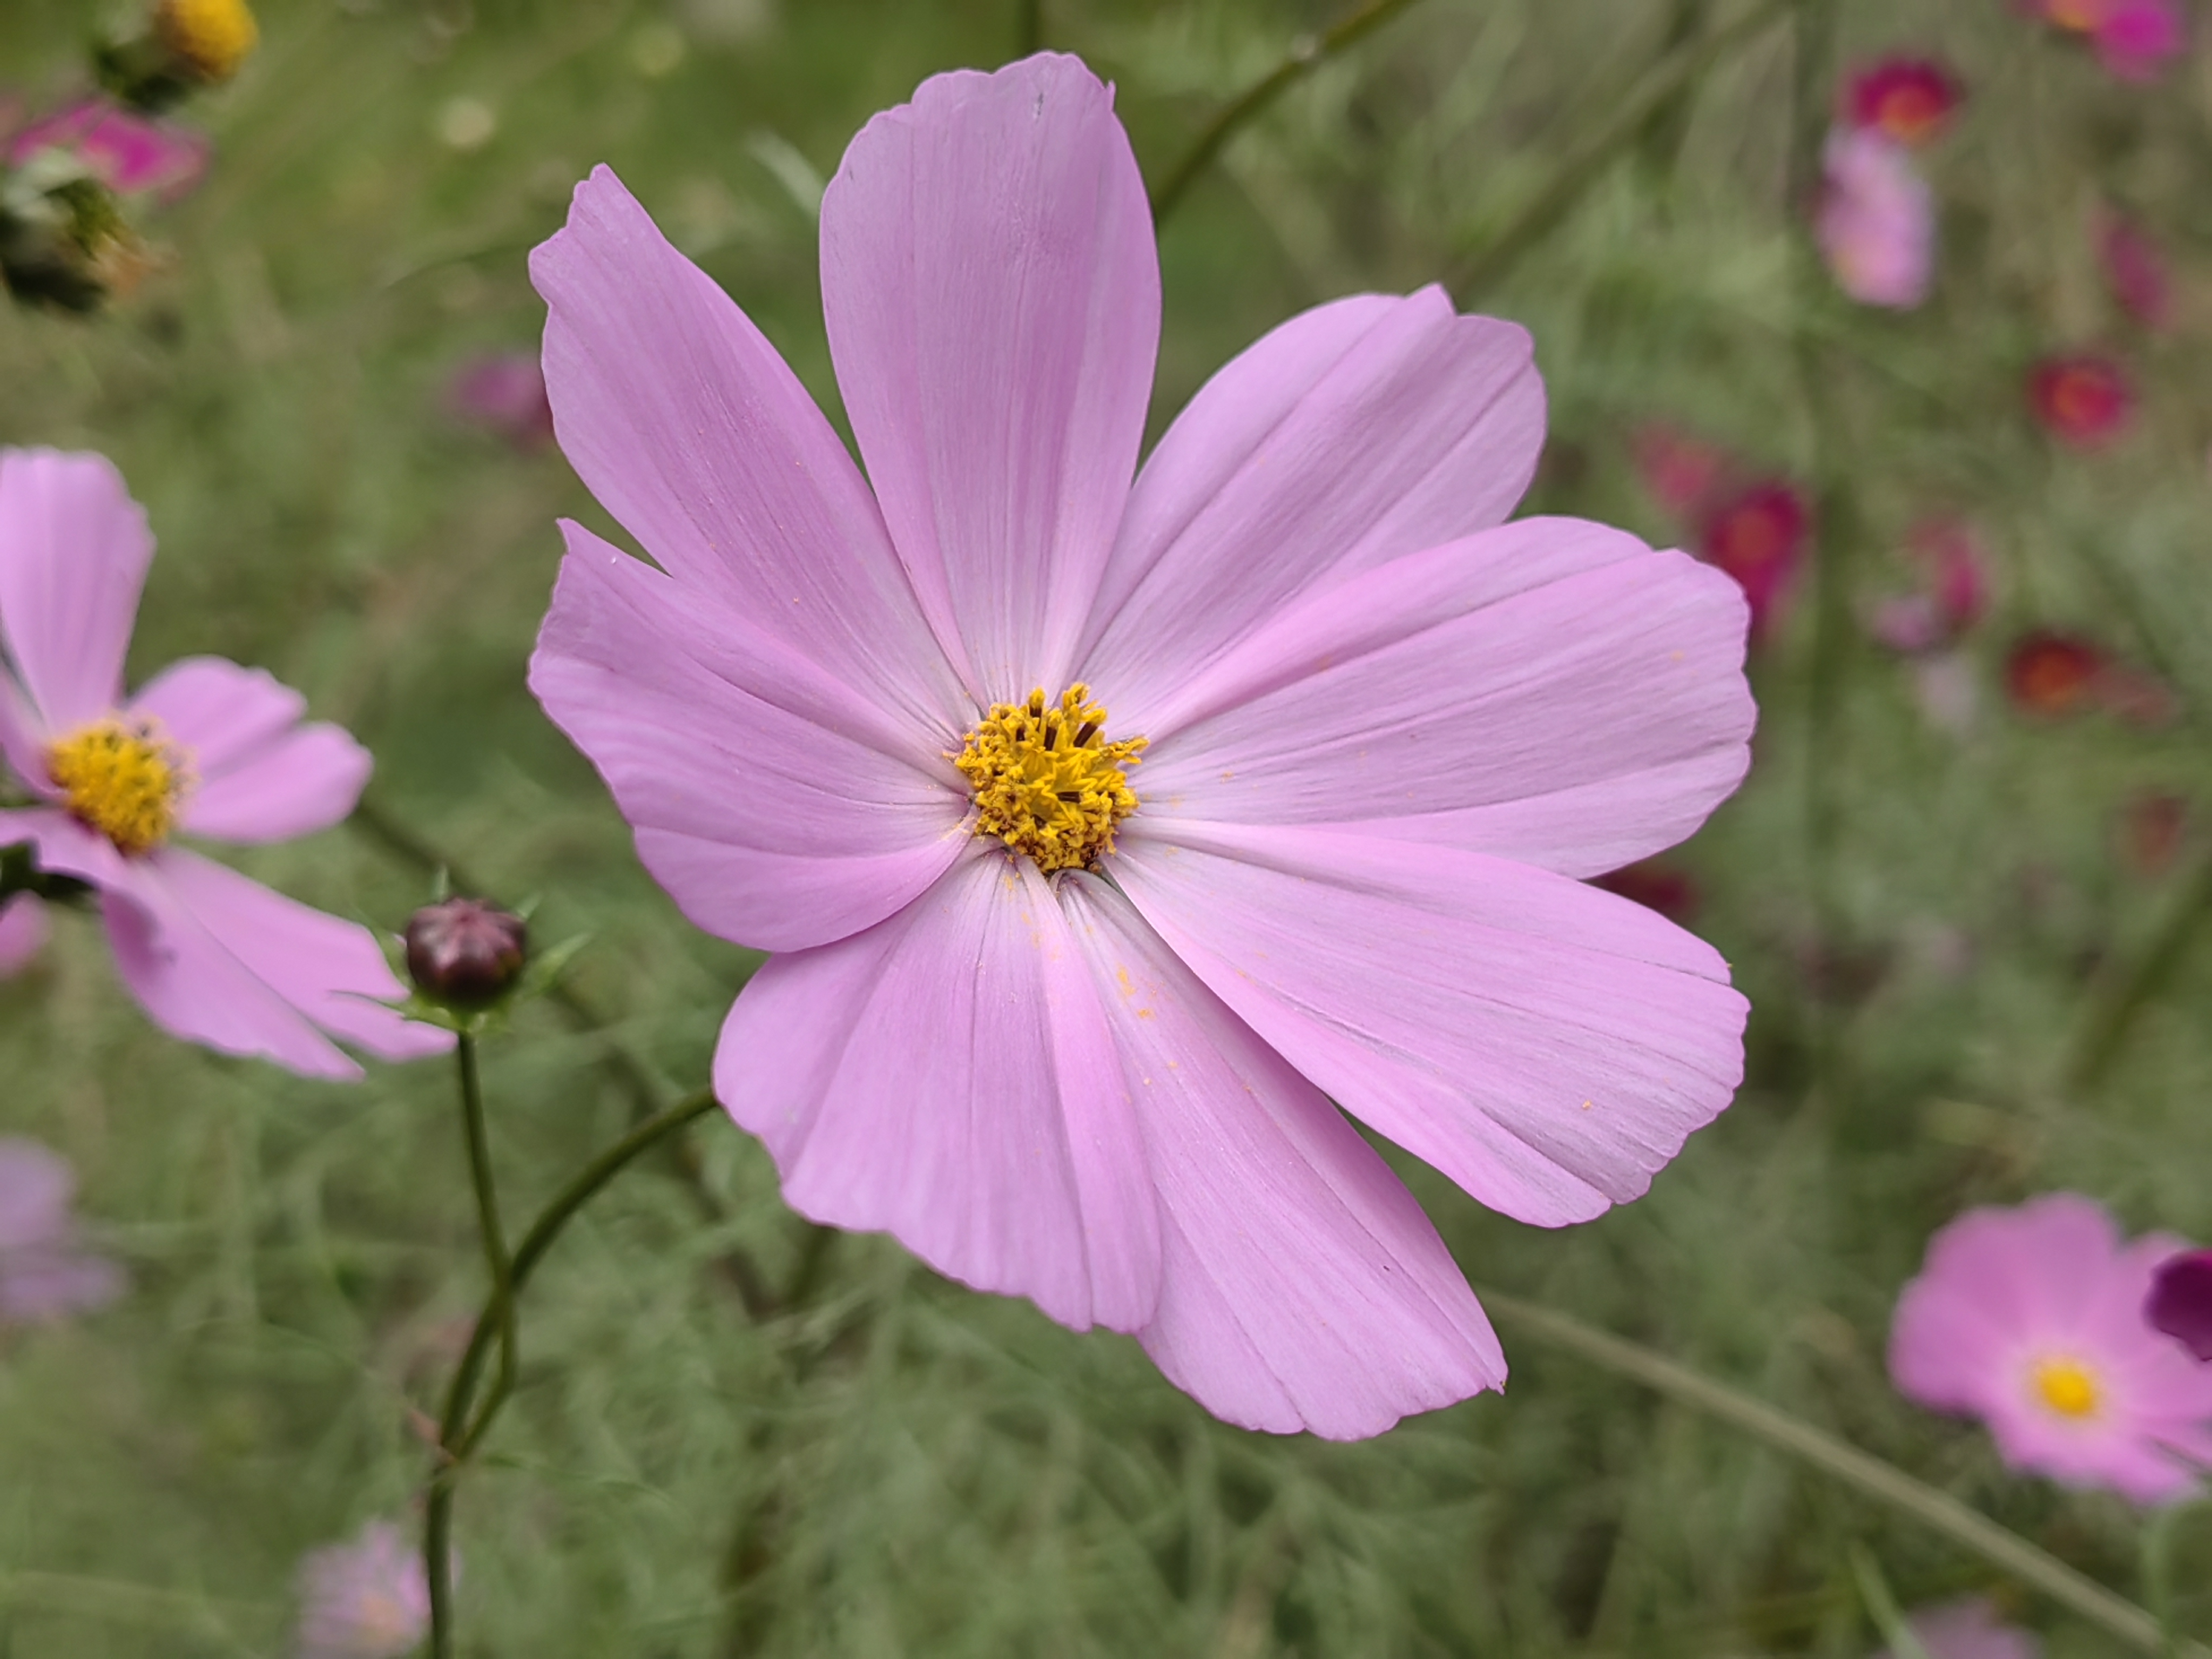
896, 1466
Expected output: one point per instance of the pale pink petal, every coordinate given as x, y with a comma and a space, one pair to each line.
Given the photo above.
1552, 691
1346, 438
1302, 1287
23, 932
221, 960
681, 418
36, 1185
22, 737
47, 1284
1967, 1628
947, 1077
74, 548
1546, 1045
261, 776
993, 299
779, 806
65, 846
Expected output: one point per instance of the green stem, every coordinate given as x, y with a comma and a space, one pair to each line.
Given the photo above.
497, 1260
2121, 994
459, 1437
1307, 54
1884, 1482
1881, 1606
1031, 33
1584, 164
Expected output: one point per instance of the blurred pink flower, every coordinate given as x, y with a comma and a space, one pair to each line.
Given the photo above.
1758, 535
43, 1272
2136, 270
2133, 39
1952, 566
504, 393
206, 747
1968, 1628
23, 929
2032, 1319
2084, 399
1066, 1043
1876, 224
130, 154
1678, 471
2180, 1302
1908, 100
368, 1599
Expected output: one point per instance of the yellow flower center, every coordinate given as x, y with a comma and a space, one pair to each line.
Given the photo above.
211, 36
127, 781
1046, 781
2068, 1387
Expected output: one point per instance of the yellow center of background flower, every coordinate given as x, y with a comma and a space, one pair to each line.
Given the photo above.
125, 781
2068, 1387
212, 36
1046, 782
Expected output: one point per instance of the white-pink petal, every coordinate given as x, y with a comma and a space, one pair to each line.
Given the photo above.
74, 548
1547, 1046
1302, 1286
993, 299
948, 1076
259, 776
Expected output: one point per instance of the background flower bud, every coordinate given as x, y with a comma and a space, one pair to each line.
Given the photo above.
463, 952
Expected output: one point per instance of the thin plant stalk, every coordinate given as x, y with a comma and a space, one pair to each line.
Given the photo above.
458, 1435
1881, 1606
1307, 54
2118, 997
1884, 1482
1030, 35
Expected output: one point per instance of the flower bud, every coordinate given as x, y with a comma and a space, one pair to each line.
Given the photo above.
2181, 1302
463, 952
63, 238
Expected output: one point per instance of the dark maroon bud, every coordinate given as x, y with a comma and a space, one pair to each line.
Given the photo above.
2181, 1302
463, 952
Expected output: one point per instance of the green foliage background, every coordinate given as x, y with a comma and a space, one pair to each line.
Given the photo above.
867, 1460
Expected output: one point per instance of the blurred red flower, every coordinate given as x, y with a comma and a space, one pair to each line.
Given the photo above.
1758, 535
2048, 673
1908, 101
2132, 38
1656, 885
2083, 399
2136, 270
1678, 470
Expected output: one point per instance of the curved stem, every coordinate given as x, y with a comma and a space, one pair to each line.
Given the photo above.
1031, 28
2004, 1549
457, 1436
2121, 993
1306, 54
497, 1260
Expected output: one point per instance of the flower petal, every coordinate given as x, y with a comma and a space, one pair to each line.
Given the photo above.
1303, 1287
947, 1077
779, 806
36, 1185
689, 427
22, 738
1545, 1045
23, 932
993, 297
262, 775
74, 548
1351, 435
219, 960
1553, 692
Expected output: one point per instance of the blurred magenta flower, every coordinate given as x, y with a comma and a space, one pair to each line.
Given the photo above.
368, 1599
2136, 270
1968, 1628
1953, 568
130, 154
1907, 100
2049, 673
206, 748
504, 393
1758, 535
2084, 399
1678, 470
2032, 1319
1656, 885
23, 929
1876, 224
2180, 1304
44, 1273
2132, 38
1064, 1039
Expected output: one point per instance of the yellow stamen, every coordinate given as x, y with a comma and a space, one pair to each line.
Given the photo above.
2068, 1387
126, 781
211, 37
1046, 781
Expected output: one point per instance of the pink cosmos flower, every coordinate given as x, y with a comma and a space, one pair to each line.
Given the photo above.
23, 929
1908, 100
43, 1272
1758, 535
2084, 399
504, 393
1954, 590
1876, 225
2180, 1302
2032, 1319
2135, 271
206, 748
1968, 1628
127, 152
2133, 39
1069, 1025
368, 1599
